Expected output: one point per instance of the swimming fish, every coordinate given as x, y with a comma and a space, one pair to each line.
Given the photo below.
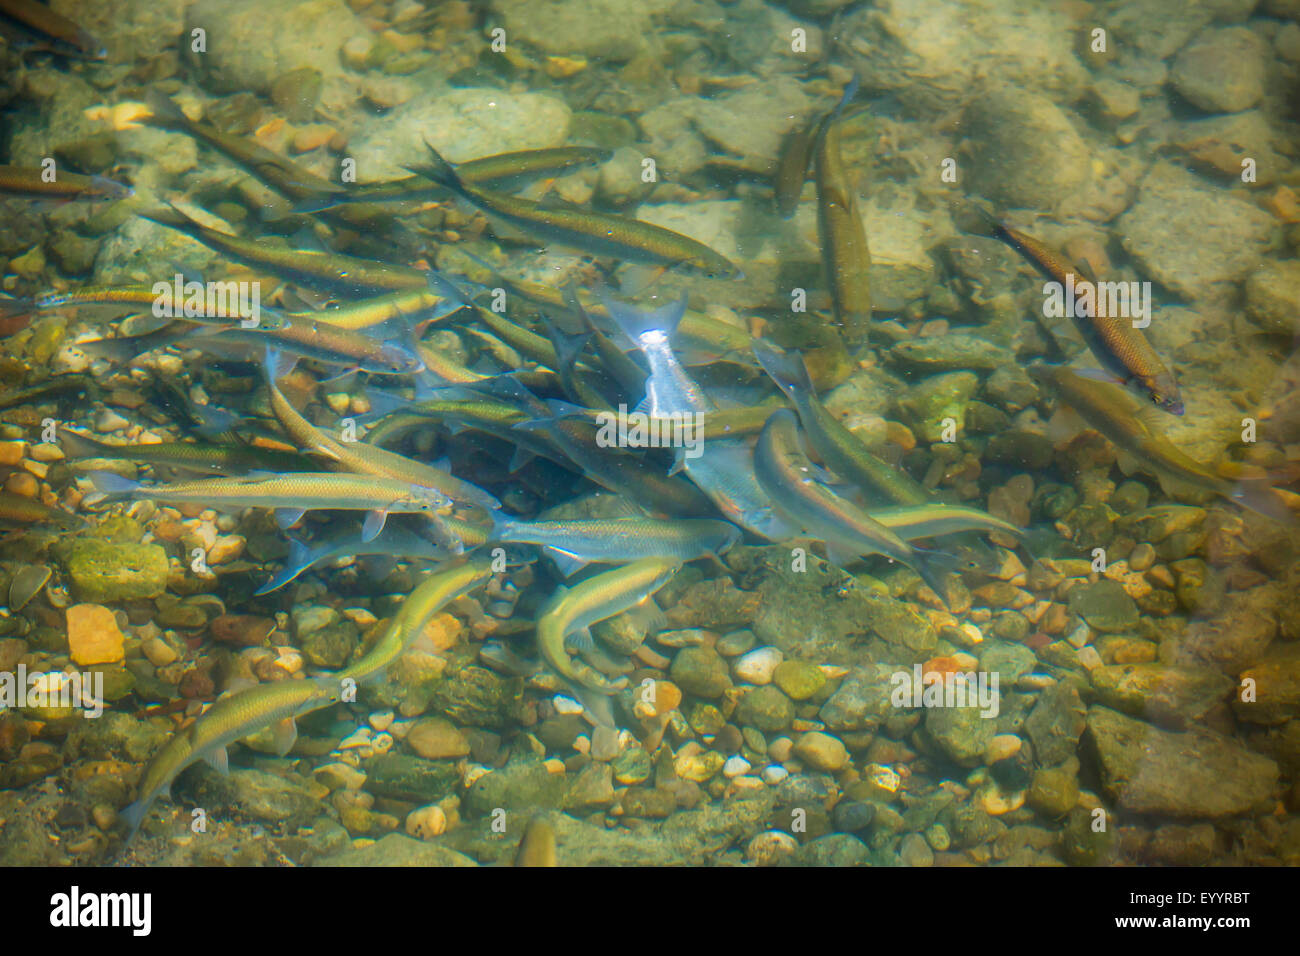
237, 715
839, 449
1130, 426
40, 19
361, 457
290, 495
36, 183
227, 459
597, 233
571, 611
1122, 350
848, 531
429, 597
574, 543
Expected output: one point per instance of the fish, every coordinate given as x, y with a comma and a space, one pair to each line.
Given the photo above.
792, 168
843, 239
318, 341
1124, 420
786, 474
57, 387
1122, 350
233, 717
18, 509
360, 457
537, 845
40, 19
32, 183
290, 495
417, 306
502, 171
934, 519
396, 540
574, 543
595, 233
284, 175
723, 470
571, 611
226, 459
839, 449
326, 271
429, 597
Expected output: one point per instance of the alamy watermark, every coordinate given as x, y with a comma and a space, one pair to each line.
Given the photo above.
52, 689
624, 429
1085, 299
935, 688
211, 300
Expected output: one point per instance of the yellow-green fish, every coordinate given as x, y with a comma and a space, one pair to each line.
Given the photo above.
429, 597
569, 614
290, 495
35, 183
789, 478
597, 233
1123, 351
839, 227
235, 716
1131, 426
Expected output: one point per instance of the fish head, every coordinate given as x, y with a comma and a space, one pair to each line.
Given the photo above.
714, 266
424, 498
105, 188
395, 358
1163, 392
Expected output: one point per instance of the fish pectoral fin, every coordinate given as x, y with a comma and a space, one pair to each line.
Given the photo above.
580, 640
284, 735
218, 760
679, 462
1127, 463
520, 459
287, 517
374, 523
567, 564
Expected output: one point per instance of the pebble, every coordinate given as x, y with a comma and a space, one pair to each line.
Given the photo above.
735, 767
799, 679
1001, 747
226, 548
381, 720
437, 739
339, 776
12, 452
47, 452
93, 635
1221, 71
758, 666
566, 705
1142, 557
780, 749
22, 483
915, 851
774, 774
427, 822
158, 652
770, 848
109, 421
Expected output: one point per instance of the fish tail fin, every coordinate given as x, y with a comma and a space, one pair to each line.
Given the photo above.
787, 369
637, 322
439, 170
278, 364
934, 567
166, 111
133, 815
107, 483
1259, 495
299, 559
77, 445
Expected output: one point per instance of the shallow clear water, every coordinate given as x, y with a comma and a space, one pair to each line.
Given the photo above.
1039, 266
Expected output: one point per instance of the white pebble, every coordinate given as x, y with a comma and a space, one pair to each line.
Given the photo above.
758, 665
774, 774
735, 766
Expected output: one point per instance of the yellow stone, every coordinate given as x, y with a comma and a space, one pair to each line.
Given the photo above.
93, 635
